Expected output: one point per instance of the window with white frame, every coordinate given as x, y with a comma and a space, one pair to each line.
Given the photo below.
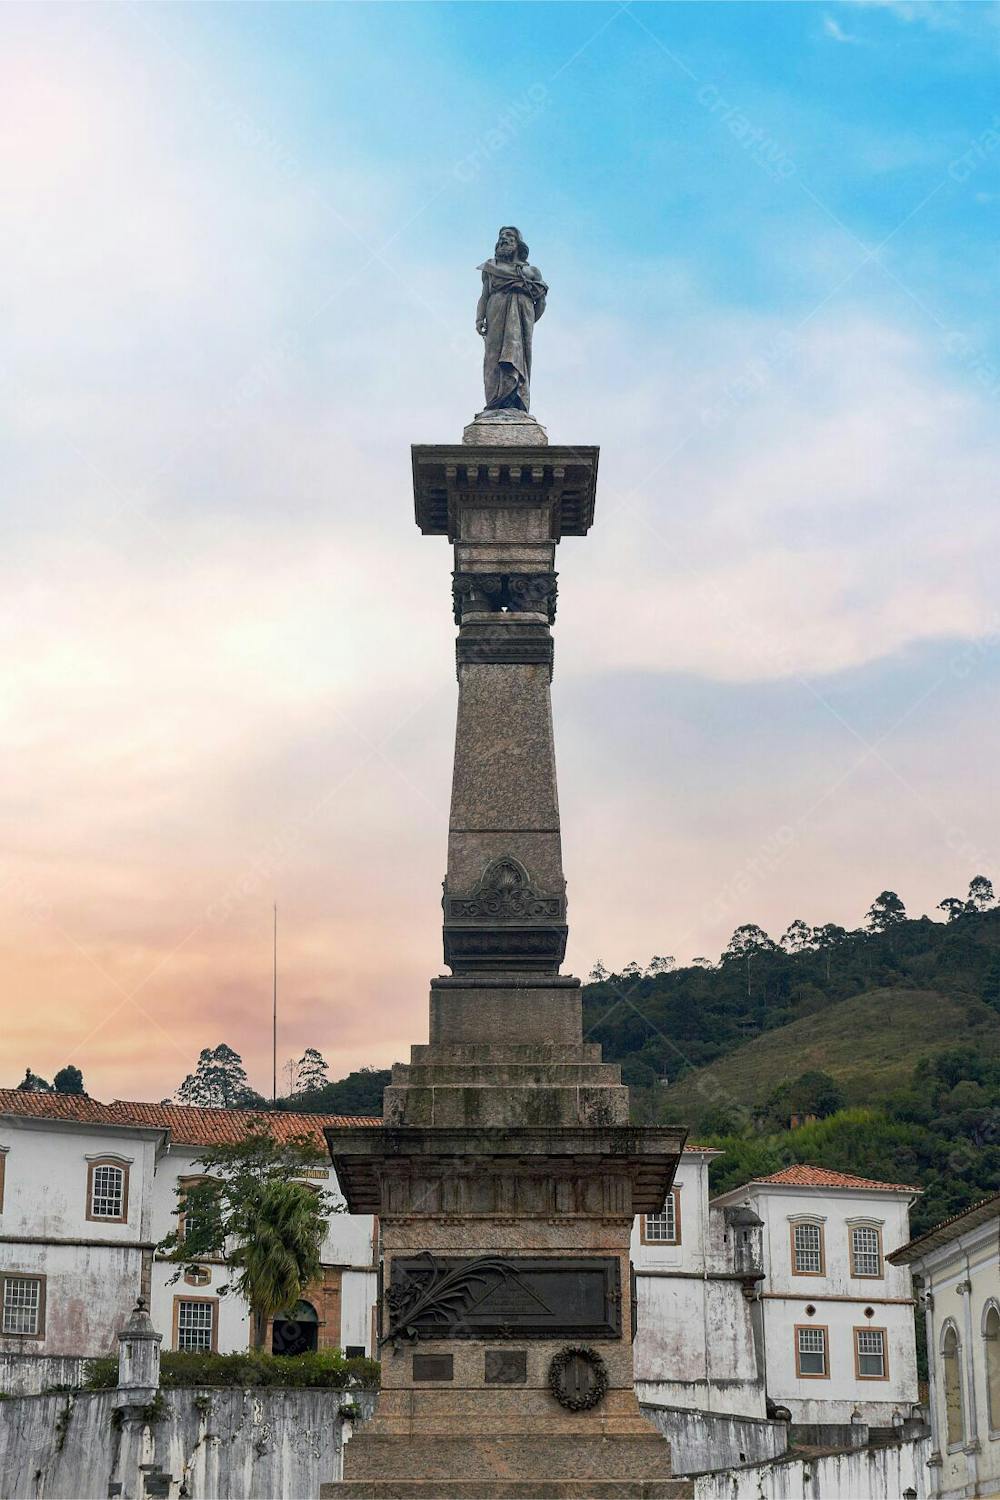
810, 1351
869, 1348
807, 1249
195, 1324
664, 1228
866, 1251
23, 1304
107, 1192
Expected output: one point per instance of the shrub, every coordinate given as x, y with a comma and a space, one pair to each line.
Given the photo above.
326, 1369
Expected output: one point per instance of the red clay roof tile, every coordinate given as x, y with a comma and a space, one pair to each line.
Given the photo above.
188, 1124
192, 1125
803, 1175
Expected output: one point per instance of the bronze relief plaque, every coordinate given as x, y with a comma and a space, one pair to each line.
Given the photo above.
506, 1297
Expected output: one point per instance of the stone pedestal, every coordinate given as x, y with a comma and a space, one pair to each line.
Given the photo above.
505, 1174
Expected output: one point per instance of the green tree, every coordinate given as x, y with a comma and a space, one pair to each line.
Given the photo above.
33, 1083
798, 936
311, 1071
885, 911
69, 1080
953, 908
980, 893
253, 1209
661, 964
219, 1081
598, 973
746, 943
360, 1093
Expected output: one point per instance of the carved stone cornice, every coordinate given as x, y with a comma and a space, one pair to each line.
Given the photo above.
504, 922
449, 477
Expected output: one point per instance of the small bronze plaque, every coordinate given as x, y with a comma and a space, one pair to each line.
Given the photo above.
433, 1367
506, 1366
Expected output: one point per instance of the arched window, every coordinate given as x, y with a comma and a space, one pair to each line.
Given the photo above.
991, 1335
107, 1188
951, 1363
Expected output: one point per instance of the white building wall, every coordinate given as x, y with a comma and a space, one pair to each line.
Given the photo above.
839, 1300
347, 1249
695, 1344
961, 1280
93, 1269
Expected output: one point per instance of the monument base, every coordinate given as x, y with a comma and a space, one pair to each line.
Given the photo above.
504, 428
509, 1489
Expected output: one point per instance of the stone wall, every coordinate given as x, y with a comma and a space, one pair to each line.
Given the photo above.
220, 1444
29, 1374
709, 1440
862, 1474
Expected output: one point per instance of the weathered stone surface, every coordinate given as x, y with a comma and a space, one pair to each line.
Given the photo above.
490, 429
505, 1104
510, 1489
530, 1074
510, 1455
514, 1013
501, 1054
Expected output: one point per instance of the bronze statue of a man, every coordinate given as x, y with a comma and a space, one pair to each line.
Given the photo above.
513, 298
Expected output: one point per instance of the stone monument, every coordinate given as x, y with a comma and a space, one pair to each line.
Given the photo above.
505, 1174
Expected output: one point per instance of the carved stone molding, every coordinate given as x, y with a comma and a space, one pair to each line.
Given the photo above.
481, 593
504, 922
481, 644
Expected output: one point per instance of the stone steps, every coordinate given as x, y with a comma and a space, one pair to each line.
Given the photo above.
509, 1489
510, 1053
506, 1106
537, 1075
506, 1456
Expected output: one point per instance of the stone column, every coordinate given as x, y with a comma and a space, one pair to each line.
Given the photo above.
505, 1173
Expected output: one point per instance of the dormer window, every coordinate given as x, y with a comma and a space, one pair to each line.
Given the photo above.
107, 1189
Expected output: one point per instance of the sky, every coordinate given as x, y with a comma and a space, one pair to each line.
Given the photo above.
238, 256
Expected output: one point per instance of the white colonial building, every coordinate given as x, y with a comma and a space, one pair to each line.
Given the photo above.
698, 1343
956, 1267
88, 1190
777, 1295
837, 1316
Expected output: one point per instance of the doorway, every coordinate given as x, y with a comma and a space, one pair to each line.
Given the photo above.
297, 1332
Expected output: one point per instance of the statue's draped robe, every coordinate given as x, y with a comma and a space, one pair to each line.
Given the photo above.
514, 295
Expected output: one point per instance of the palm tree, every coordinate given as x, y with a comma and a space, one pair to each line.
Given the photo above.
279, 1255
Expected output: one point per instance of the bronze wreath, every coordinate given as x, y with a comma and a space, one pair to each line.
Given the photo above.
600, 1387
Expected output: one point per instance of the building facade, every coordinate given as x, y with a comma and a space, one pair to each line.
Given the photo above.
698, 1340
88, 1190
956, 1267
780, 1293
777, 1295
837, 1314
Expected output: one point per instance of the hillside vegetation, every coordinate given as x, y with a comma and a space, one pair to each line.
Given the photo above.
869, 1045
875, 1051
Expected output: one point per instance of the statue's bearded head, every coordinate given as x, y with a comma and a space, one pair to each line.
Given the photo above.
510, 245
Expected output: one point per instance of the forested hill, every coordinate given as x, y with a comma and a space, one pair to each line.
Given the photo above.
875, 1051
